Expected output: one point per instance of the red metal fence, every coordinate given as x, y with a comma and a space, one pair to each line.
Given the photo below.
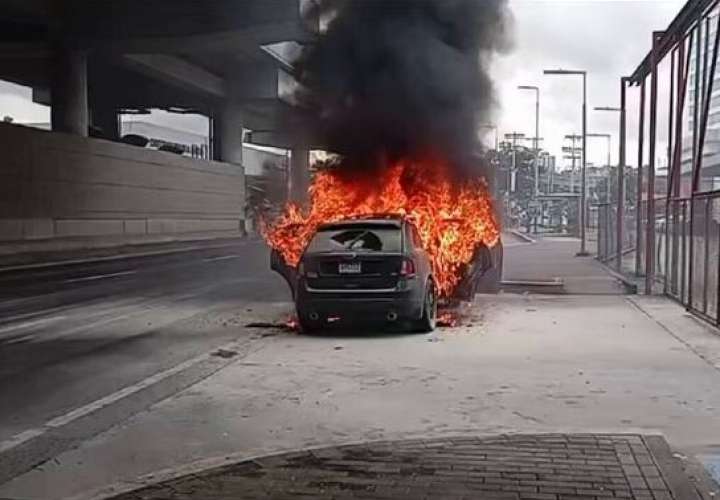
676, 223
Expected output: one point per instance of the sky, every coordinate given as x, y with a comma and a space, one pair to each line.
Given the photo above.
607, 38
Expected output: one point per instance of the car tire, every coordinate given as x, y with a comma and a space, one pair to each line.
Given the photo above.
428, 321
307, 325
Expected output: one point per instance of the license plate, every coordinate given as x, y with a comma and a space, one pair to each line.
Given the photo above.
349, 268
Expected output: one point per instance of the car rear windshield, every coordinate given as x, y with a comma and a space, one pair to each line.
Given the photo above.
357, 239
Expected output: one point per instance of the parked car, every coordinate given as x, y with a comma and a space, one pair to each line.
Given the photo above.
375, 268
366, 268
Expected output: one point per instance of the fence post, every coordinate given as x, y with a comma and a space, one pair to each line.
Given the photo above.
621, 179
650, 228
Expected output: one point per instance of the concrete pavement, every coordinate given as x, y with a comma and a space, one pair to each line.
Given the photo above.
519, 364
114, 404
551, 258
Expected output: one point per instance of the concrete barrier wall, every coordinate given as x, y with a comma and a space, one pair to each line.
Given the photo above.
62, 186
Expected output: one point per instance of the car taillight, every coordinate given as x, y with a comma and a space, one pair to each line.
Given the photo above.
306, 273
407, 268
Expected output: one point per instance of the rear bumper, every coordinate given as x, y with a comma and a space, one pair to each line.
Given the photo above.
366, 306
362, 309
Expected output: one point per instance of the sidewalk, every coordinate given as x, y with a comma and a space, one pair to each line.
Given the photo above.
552, 258
520, 467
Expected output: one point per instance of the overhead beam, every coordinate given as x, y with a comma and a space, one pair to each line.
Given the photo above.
249, 39
283, 139
178, 72
114, 19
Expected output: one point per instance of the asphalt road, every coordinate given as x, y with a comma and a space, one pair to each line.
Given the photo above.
90, 344
85, 346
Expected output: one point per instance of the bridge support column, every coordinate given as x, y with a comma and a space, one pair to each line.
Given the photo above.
228, 134
69, 93
299, 175
105, 118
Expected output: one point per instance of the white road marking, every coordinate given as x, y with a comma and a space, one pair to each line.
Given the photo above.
100, 276
223, 257
20, 438
30, 324
18, 340
82, 411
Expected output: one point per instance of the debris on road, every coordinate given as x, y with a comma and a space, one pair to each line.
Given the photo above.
289, 325
224, 353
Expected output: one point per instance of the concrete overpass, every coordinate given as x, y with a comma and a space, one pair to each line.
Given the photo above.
91, 60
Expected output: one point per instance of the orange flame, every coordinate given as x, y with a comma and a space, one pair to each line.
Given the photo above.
452, 220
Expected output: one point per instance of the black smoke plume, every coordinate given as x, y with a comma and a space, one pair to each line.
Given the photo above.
404, 78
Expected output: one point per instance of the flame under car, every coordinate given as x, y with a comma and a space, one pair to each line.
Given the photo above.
375, 269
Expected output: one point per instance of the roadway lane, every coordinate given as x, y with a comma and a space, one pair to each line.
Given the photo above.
83, 347
73, 335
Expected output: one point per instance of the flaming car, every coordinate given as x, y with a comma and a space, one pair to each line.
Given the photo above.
376, 268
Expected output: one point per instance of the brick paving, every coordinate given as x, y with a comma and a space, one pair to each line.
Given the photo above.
532, 467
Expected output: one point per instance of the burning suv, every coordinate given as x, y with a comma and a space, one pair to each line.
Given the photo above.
375, 268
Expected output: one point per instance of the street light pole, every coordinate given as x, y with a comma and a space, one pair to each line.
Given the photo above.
583, 251
583, 196
536, 139
620, 229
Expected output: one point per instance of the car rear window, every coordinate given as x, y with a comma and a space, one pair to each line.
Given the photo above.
357, 239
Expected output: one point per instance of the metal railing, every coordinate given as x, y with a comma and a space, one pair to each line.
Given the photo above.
688, 253
675, 221
704, 265
607, 231
678, 242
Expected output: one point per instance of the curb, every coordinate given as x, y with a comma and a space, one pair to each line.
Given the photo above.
107, 258
630, 286
555, 286
523, 236
673, 474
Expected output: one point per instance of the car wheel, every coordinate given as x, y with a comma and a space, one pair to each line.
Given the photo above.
307, 325
428, 320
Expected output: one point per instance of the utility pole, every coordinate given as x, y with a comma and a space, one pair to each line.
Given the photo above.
513, 137
574, 151
608, 137
536, 139
574, 155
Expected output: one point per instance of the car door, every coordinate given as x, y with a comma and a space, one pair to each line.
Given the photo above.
419, 254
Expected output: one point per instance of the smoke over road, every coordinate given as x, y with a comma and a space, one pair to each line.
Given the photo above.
404, 78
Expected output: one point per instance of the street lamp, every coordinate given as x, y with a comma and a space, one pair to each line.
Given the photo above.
620, 172
609, 146
536, 140
583, 252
